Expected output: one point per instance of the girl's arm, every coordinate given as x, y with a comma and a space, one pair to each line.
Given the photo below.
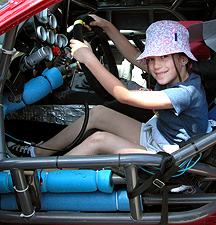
142, 99
120, 41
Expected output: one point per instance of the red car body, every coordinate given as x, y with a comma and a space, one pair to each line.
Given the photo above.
15, 12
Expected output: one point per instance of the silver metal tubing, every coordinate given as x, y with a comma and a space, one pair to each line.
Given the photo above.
180, 199
100, 161
195, 148
84, 4
203, 170
199, 170
65, 14
109, 218
22, 192
116, 180
132, 182
148, 8
175, 4
96, 161
5, 59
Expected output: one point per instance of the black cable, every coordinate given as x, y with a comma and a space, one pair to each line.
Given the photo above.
49, 149
70, 146
82, 131
79, 136
31, 144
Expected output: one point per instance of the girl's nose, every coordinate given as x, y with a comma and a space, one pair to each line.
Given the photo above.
157, 63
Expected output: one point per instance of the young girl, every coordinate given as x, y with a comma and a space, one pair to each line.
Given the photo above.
178, 99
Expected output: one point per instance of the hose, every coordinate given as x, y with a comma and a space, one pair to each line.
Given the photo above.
82, 131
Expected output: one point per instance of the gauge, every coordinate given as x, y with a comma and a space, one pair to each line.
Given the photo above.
61, 40
58, 41
49, 53
52, 22
43, 16
64, 40
41, 33
68, 53
50, 37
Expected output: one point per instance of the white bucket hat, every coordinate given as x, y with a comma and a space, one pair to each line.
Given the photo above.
166, 37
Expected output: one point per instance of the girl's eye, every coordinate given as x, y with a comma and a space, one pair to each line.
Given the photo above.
163, 56
150, 59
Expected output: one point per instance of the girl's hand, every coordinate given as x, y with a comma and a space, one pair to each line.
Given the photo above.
100, 22
81, 51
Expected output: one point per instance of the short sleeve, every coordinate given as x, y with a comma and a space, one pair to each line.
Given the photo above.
180, 98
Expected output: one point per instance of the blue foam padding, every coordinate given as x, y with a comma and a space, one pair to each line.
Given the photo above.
54, 76
36, 89
104, 181
91, 202
6, 184
62, 181
95, 201
11, 106
43, 175
123, 201
8, 202
10, 183
71, 181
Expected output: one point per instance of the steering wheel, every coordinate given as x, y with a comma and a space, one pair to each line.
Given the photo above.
99, 42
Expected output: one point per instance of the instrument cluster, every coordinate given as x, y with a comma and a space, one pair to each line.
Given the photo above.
48, 44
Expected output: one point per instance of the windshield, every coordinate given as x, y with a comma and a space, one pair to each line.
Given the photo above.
3, 3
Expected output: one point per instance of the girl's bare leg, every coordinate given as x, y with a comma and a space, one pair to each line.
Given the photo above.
101, 143
101, 118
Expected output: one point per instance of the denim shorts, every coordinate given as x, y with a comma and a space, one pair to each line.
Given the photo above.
153, 140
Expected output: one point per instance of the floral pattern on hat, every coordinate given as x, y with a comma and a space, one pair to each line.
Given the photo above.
166, 37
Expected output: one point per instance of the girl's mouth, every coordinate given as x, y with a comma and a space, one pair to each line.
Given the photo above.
160, 74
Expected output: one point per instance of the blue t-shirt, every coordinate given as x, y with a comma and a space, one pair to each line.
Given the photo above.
189, 115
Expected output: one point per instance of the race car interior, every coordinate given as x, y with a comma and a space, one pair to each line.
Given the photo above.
46, 89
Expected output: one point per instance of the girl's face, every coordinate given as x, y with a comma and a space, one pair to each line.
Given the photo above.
162, 68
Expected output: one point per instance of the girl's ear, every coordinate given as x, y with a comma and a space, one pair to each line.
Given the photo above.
184, 60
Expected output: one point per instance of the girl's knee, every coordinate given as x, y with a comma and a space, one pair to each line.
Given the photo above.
98, 110
97, 141
96, 115
98, 137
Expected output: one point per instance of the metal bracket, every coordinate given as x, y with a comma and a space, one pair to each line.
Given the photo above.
27, 216
20, 191
158, 183
8, 52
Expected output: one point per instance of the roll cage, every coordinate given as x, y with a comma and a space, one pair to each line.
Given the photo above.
201, 205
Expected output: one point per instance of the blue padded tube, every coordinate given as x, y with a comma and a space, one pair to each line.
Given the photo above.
63, 181
91, 202
8, 201
104, 181
54, 77
36, 89
6, 183
95, 201
71, 181
44, 176
123, 201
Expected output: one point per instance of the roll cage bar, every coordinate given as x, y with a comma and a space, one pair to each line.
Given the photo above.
130, 162
171, 9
